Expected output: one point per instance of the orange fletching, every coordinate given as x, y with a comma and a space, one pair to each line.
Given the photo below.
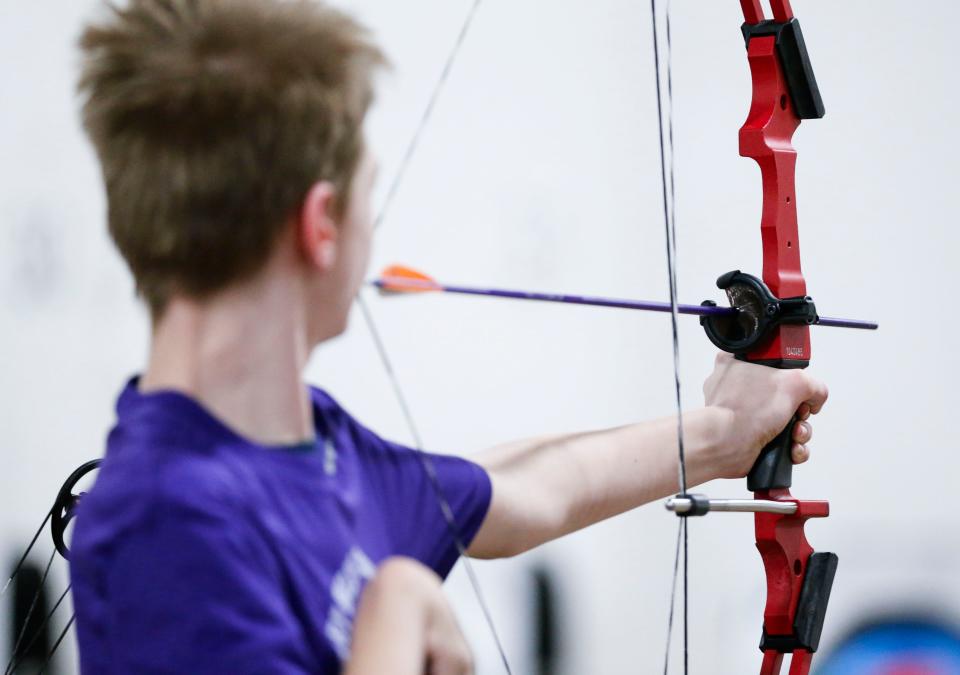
401, 279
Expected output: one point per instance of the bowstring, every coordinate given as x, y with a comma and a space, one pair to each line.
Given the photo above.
26, 553
427, 114
15, 663
668, 186
431, 471
56, 645
39, 631
10, 667
387, 363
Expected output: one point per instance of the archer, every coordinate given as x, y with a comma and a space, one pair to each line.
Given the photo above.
244, 522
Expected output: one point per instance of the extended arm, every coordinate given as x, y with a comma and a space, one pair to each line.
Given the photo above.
547, 487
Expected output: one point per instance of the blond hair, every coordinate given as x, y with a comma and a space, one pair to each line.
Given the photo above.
211, 120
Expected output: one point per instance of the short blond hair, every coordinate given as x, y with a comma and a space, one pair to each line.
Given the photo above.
212, 119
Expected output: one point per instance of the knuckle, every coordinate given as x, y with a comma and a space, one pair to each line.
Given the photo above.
798, 383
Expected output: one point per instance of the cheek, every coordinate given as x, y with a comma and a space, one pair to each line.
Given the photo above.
361, 259
356, 257
362, 230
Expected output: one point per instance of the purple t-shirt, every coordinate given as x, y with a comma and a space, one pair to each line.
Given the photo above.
198, 551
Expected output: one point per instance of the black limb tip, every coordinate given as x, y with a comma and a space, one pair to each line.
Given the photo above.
811, 608
759, 311
795, 59
64, 508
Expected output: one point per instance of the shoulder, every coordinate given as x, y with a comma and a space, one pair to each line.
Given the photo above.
391, 462
141, 491
334, 420
328, 410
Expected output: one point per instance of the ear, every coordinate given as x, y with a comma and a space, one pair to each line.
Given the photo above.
317, 228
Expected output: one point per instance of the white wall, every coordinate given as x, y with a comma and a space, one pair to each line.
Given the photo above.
540, 170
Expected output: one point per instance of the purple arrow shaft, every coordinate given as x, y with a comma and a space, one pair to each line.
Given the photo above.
643, 305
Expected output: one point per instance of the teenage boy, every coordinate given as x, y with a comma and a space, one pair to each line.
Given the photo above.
243, 522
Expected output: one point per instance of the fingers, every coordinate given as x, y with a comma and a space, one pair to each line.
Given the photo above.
799, 453
812, 392
802, 433
763, 399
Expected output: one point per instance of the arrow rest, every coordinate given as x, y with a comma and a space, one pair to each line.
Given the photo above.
759, 314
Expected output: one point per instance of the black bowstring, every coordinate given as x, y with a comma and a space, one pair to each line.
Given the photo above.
26, 553
673, 182
425, 118
401, 398
431, 472
681, 535
668, 181
56, 645
15, 663
39, 631
26, 621
668, 185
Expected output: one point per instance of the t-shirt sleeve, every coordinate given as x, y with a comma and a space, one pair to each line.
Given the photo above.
403, 480
204, 588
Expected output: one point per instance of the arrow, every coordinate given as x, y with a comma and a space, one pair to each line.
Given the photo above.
398, 279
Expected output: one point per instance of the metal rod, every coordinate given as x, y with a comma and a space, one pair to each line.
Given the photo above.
846, 323
684, 505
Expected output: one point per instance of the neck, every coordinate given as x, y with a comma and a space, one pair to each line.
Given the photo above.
241, 355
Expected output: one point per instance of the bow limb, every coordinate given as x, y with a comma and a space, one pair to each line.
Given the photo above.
785, 92
773, 329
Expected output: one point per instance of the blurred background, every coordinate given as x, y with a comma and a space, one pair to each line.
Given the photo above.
540, 170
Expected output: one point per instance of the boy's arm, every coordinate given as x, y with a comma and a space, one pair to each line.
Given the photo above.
547, 487
405, 626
